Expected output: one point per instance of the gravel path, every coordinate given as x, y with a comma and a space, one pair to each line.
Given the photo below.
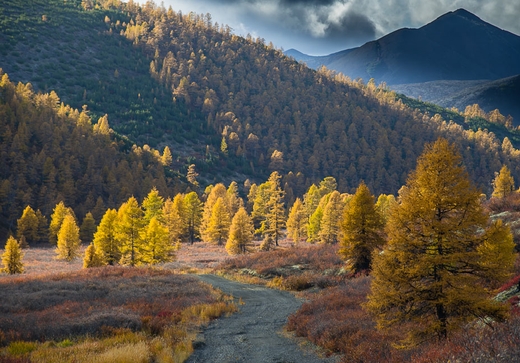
252, 335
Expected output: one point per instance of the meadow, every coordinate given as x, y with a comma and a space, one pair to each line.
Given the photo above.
58, 312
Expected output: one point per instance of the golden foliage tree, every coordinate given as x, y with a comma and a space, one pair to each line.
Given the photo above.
105, 241
330, 222
87, 229
193, 208
218, 228
157, 247
27, 225
153, 205
215, 192
240, 233
58, 215
128, 228
175, 218
275, 213
503, 184
362, 226
297, 222
12, 257
68, 239
443, 257
92, 257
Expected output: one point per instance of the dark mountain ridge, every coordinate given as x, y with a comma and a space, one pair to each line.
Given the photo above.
456, 46
503, 94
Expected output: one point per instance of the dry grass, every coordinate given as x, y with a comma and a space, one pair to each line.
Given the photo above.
288, 267
198, 257
42, 261
108, 314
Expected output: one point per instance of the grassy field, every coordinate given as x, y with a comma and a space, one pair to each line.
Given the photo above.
58, 312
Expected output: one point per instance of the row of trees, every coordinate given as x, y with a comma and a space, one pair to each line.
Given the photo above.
151, 232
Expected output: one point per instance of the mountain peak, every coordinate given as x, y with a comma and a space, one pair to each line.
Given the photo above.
460, 13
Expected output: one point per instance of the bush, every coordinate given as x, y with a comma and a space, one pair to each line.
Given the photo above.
21, 348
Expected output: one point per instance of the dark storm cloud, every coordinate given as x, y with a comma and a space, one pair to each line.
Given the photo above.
350, 25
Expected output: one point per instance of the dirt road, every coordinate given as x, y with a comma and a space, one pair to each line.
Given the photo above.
252, 335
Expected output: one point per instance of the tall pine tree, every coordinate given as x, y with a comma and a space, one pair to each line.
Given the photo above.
128, 232
362, 227
12, 257
68, 243
443, 257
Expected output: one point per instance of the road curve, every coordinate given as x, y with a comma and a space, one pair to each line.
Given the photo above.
253, 334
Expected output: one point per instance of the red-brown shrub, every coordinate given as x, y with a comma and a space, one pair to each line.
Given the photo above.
88, 301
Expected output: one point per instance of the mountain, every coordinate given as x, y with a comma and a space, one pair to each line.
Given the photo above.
234, 107
502, 94
456, 46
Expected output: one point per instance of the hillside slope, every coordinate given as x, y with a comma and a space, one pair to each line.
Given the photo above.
50, 152
231, 105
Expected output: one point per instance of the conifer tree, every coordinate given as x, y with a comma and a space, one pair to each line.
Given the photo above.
193, 208
218, 228
216, 192
166, 158
383, 205
153, 206
87, 229
503, 184
59, 213
12, 257
92, 258
128, 232
443, 257
233, 200
27, 226
311, 200
107, 246
68, 239
157, 247
297, 222
330, 222
175, 219
275, 216
314, 226
240, 233
260, 209
362, 230
42, 226
327, 185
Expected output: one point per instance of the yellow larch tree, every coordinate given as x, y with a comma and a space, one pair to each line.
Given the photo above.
297, 222
240, 234
12, 257
503, 184
443, 257
362, 230
105, 242
218, 228
68, 239
330, 226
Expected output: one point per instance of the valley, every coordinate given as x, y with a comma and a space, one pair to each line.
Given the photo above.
171, 191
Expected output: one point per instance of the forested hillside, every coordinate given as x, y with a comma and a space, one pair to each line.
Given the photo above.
233, 106
50, 152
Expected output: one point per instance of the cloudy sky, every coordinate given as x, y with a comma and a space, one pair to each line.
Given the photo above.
325, 26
